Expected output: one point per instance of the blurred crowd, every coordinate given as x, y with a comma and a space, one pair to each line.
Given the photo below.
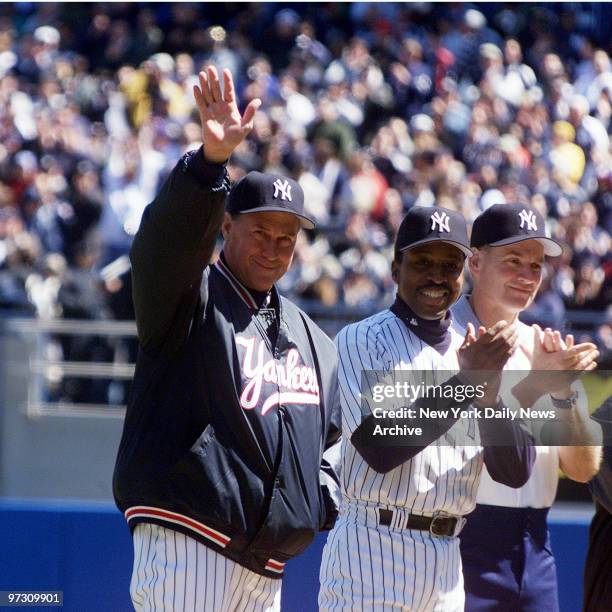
372, 107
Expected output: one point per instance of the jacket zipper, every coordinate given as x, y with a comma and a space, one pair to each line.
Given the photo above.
276, 480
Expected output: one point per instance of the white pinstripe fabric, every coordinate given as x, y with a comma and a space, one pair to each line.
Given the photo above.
175, 573
368, 566
442, 476
376, 568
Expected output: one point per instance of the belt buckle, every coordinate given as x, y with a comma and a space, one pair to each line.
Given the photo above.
461, 521
459, 524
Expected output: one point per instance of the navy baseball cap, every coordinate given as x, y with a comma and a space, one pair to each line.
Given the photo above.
503, 224
425, 224
260, 192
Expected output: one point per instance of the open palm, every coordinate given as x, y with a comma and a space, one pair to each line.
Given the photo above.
551, 352
223, 127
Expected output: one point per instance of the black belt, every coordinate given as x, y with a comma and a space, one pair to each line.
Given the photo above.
438, 525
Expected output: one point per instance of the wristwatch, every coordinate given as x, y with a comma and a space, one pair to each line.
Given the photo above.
565, 404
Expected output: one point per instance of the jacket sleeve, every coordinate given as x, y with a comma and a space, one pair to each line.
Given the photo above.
171, 249
329, 474
510, 464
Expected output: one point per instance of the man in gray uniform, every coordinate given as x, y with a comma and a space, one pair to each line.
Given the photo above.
515, 570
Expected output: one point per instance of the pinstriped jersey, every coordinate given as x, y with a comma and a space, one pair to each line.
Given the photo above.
442, 477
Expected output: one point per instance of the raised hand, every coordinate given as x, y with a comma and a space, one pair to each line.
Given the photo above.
223, 127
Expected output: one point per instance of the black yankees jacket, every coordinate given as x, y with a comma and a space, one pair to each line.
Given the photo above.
226, 428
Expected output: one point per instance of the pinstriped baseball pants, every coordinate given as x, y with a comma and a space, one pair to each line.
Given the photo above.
175, 573
383, 570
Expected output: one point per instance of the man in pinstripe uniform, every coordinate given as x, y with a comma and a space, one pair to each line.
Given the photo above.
394, 545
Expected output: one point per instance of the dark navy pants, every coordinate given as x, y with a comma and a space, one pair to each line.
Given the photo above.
508, 565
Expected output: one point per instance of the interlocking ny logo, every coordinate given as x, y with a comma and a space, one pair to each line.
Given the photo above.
282, 187
441, 220
529, 218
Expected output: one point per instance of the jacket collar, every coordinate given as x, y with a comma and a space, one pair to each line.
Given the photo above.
254, 300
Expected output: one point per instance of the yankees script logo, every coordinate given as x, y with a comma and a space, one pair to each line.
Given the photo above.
297, 383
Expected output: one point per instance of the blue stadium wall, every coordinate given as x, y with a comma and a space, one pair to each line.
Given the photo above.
85, 551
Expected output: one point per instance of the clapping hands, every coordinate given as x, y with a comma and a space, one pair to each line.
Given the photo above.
557, 362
